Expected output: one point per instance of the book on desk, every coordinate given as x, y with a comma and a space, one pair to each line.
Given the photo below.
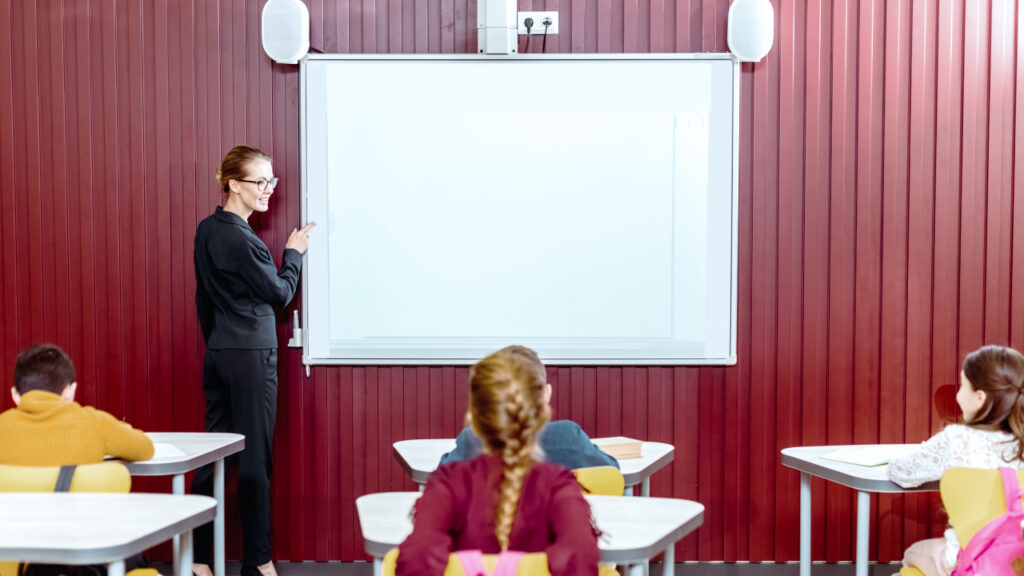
620, 447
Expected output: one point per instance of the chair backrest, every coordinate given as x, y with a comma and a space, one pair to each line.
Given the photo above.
972, 498
111, 477
535, 564
601, 480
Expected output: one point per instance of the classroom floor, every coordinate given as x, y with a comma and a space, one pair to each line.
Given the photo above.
695, 569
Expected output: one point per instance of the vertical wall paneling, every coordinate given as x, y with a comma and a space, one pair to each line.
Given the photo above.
1017, 249
790, 261
814, 297
920, 230
880, 162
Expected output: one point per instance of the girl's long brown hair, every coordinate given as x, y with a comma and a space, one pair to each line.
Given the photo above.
507, 409
999, 372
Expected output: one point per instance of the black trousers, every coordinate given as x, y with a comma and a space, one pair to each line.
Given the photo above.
241, 397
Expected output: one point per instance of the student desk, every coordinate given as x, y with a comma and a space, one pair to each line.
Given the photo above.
420, 457
77, 528
635, 529
196, 449
863, 479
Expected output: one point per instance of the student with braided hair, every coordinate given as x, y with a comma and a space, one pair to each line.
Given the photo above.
991, 397
508, 498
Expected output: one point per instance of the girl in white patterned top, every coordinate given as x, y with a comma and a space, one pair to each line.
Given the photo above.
991, 397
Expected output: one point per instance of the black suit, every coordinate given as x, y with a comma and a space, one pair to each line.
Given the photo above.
237, 288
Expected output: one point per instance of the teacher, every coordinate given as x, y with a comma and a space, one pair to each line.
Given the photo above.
237, 288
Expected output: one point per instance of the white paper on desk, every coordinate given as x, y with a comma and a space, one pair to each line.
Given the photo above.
165, 450
867, 455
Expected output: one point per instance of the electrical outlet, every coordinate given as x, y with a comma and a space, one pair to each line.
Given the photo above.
538, 22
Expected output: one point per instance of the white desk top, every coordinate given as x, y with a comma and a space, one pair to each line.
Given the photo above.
634, 529
420, 457
196, 449
78, 528
864, 478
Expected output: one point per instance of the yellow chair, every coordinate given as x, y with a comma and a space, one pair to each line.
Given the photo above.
972, 497
601, 480
535, 564
108, 477
105, 477
531, 565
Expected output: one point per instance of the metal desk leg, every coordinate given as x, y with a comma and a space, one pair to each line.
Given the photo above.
863, 526
178, 487
805, 524
185, 562
218, 520
115, 568
378, 566
645, 487
669, 567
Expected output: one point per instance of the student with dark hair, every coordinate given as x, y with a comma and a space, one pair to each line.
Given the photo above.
991, 397
563, 442
48, 428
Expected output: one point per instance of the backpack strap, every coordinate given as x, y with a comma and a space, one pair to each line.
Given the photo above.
1011, 491
472, 562
508, 563
67, 473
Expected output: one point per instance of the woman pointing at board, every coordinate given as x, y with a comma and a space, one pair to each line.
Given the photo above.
237, 288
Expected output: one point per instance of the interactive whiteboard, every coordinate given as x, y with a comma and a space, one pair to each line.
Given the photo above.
582, 206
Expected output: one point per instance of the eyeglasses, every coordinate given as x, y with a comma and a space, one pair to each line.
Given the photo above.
262, 183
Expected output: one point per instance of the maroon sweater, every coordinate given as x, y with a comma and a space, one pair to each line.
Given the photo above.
458, 506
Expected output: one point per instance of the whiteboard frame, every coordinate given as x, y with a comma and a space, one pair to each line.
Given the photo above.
728, 360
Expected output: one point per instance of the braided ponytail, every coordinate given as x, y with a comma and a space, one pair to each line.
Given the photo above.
508, 410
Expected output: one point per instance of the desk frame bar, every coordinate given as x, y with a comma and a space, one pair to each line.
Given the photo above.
668, 567
185, 561
218, 520
863, 530
178, 487
805, 524
115, 568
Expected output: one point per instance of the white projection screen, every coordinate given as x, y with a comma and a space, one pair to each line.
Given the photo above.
584, 206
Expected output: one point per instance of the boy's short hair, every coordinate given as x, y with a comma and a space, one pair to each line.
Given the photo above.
43, 367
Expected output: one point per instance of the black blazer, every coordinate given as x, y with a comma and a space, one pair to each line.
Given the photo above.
238, 285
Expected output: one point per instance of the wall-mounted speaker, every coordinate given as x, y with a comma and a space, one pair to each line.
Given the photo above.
285, 30
751, 29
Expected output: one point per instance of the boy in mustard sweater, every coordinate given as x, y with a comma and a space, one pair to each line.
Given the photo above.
48, 428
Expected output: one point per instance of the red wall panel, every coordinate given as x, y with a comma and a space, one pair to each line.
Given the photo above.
879, 172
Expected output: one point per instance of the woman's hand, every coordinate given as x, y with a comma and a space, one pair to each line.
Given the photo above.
299, 240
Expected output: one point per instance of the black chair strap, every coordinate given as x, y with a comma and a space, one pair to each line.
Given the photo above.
64, 478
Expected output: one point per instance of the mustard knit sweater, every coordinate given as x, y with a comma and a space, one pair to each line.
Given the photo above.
44, 430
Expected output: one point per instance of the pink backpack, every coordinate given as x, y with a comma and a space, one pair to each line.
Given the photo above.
473, 563
997, 548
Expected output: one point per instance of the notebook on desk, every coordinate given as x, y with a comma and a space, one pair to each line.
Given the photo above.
165, 450
620, 447
867, 455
